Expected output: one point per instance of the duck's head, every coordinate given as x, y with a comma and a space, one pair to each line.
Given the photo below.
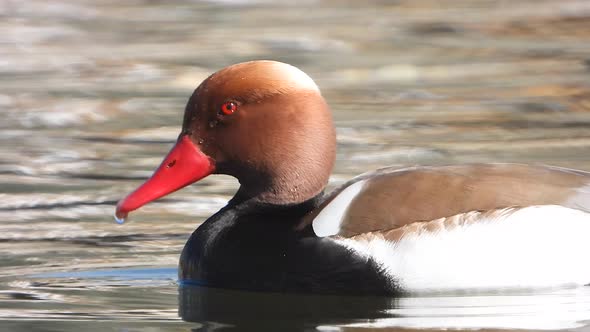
263, 122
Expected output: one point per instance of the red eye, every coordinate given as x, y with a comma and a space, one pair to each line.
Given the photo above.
229, 108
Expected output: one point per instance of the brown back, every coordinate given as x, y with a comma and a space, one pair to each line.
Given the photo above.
393, 198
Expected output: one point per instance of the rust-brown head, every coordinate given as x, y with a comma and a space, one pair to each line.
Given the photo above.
263, 122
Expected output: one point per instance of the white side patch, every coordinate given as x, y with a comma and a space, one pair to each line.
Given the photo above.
329, 220
533, 247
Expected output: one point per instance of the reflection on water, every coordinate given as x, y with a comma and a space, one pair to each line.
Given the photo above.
135, 299
559, 309
140, 299
91, 97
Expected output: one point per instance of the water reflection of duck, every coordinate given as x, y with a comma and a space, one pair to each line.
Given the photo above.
263, 311
218, 309
483, 226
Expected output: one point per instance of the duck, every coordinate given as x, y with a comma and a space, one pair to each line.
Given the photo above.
392, 231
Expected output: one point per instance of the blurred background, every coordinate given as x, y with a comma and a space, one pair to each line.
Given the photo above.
92, 95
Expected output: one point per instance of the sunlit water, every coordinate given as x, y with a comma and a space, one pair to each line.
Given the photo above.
91, 97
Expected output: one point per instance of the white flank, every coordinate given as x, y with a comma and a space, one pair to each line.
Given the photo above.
328, 221
534, 247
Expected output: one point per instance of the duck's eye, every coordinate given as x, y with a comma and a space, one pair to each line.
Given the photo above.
228, 108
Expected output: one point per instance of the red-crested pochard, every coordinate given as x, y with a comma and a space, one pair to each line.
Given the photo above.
392, 231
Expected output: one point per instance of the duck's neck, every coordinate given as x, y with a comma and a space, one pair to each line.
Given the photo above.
288, 189
291, 179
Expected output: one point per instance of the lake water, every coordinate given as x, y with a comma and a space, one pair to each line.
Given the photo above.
91, 99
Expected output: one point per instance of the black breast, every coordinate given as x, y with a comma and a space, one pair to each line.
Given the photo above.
254, 247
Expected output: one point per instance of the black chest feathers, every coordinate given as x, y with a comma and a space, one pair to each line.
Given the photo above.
261, 251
